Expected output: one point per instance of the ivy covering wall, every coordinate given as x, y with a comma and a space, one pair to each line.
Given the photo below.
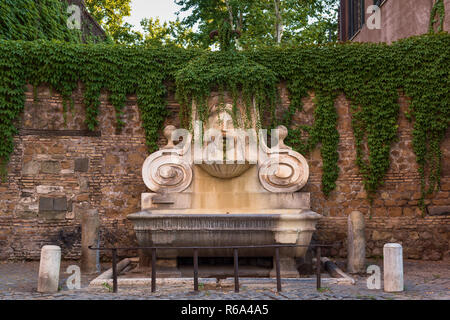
437, 15
32, 20
370, 75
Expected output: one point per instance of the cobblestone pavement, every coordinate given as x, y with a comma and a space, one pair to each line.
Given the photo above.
423, 280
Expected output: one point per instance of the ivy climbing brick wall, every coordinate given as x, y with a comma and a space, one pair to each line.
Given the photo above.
395, 215
57, 170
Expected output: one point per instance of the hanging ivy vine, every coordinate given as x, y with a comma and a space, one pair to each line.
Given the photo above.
225, 70
119, 69
323, 131
12, 99
33, 20
369, 75
438, 9
428, 86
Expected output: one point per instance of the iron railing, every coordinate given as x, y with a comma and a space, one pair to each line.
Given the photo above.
195, 257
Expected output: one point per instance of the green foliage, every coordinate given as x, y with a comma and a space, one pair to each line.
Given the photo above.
167, 33
12, 99
109, 14
224, 70
375, 111
32, 20
226, 36
323, 131
119, 69
439, 9
370, 75
303, 21
107, 286
428, 86
124, 34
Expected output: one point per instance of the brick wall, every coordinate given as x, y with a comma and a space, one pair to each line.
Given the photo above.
59, 169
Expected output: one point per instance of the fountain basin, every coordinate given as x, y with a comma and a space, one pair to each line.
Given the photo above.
194, 227
197, 202
225, 171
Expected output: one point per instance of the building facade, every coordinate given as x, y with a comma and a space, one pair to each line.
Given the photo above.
89, 25
398, 19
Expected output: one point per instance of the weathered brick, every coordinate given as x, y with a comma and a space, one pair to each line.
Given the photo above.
82, 165
48, 189
52, 215
395, 212
438, 210
31, 168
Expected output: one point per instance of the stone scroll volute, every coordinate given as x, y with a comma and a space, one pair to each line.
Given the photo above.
168, 170
282, 170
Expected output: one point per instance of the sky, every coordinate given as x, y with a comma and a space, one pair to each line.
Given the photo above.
140, 9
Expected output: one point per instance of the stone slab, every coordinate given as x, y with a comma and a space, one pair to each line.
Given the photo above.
50, 167
237, 201
45, 204
439, 210
60, 204
223, 282
81, 165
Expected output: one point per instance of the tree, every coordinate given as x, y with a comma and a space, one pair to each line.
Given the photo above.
265, 22
124, 34
167, 33
310, 21
109, 14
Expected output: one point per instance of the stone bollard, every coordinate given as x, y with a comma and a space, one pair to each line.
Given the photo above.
48, 280
90, 224
393, 267
356, 255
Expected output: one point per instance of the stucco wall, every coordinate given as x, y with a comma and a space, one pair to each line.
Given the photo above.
401, 19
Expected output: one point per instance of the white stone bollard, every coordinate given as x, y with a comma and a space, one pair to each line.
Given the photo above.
49, 266
393, 267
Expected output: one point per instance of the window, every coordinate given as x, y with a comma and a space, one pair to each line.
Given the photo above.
356, 14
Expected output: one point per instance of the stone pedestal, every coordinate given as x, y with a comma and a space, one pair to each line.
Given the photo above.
49, 269
90, 224
393, 267
356, 256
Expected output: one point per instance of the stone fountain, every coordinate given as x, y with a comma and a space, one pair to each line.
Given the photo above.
241, 197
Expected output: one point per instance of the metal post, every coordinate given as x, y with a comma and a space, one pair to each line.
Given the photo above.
114, 267
277, 266
318, 267
196, 269
153, 270
236, 270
